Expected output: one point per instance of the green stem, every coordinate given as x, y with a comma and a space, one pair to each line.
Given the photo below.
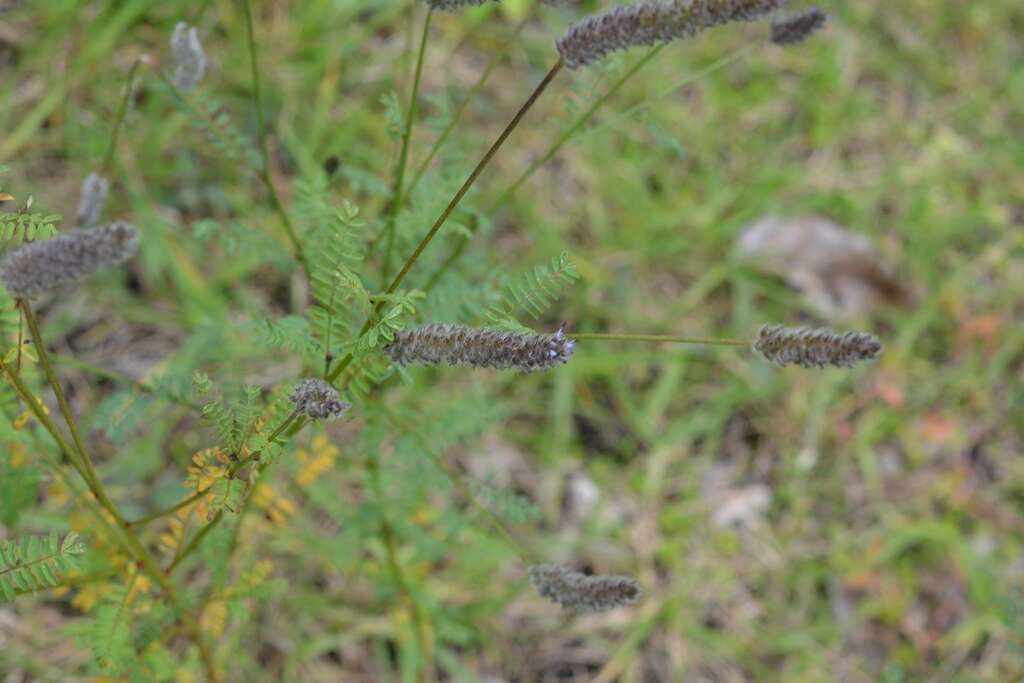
89, 472
566, 135
122, 111
592, 336
140, 385
232, 471
448, 210
403, 157
537, 92
387, 534
26, 396
458, 484
572, 131
153, 516
194, 543
90, 504
261, 127
129, 540
470, 96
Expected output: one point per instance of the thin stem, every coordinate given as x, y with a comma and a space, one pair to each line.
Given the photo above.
572, 131
29, 400
566, 135
153, 516
593, 336
130, 540
232, 471
277, 432
261, 127
689, 78
387, 534
140, 385
194, 543
470, 96
452, 205
419, 625
569, 132
456, 481
537, 92
122, 111
261, 124
89, 472
403, 157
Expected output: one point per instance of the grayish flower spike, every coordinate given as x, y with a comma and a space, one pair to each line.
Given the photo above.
798, 27
480, 348
816, 348
652, 22
318, 400
188, 61
91, 199
573, 590
41, 266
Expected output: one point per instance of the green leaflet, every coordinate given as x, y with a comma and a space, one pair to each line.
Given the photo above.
35, 563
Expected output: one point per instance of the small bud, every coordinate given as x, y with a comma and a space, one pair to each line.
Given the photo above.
652, 22
318, 400
798, 27
480, 348
40, 266
816, 348
91, 199
188, 61
573, 590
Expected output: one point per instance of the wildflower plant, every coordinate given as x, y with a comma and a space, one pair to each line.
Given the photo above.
358, 309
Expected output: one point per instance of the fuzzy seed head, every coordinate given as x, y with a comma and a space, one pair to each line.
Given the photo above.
318, 400
41, 266
652, 22
480, 348
798, 27
91, 199
816, 348
573, 590
452, 5
188, 61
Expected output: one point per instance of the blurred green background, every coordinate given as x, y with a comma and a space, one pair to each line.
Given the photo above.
787, 525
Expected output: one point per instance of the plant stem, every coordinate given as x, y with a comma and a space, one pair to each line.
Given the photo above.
403, 157
146, 519
470, 96
129, 540
387, 534
261, 127
140, 385
569, 132
300, 421
194, 543
452, 205
566, 135
232, 471
88, 471
573, 131
122, 111
593, 336
26, 396
456, 481
481, 165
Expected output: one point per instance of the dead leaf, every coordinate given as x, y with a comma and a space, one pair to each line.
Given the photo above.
838, 271
742, 507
